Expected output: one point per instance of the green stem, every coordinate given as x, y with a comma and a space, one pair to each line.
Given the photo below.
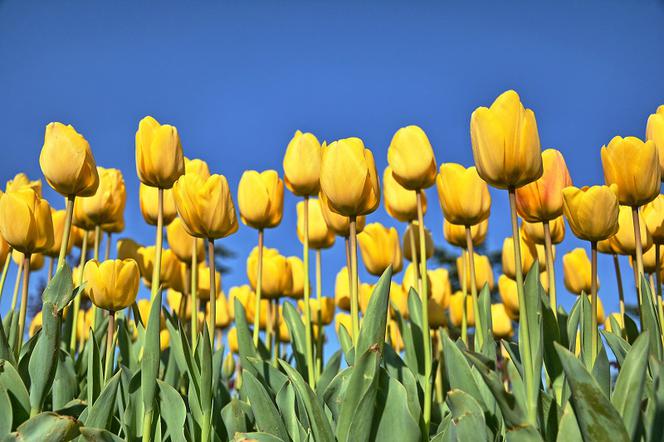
97, 247
275, 331
147, 425
354, 310
311, 372
110, 350
213, 292
425, 319
594, 335
156, 269
319, 297
621, 295
479, 329
17, 285
259, 288
639, 251
413, 256
550, 270
49, 275
5, 270
24, 301
107, 253
658, 282
66, 230
194, 293
77, 299
464, 293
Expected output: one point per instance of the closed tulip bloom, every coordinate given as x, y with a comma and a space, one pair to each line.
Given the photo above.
112, 284
204, 282
528, 256
348, 178
205, 206
4, 249
365, 292
456, 310
410, 279
22, 180
302, 164
400, 203
159, 158
398, 300
320, 235
413, 229
197, 166
324, 310
534, 232
501, 323
149, 199
655, 133
633, 166
25, 221
623, 241
411, 158
108, 202
542, 199
244, 294
296, 289
464, 196
222, 318
58, 219
171, 269
483, 270
264, 312
577, 272
144, 306
509, 296
127, 248
67, 162
35, 324
277, 273
649, 261
455, 234
582, 206
342, 290
441, 288
77, 235
339, 224
506, 145
343, 320
84, 324
617, 317
80, 219
36, 260
260, 198
181, 242
116, 226
437, 317
396, 340
175, 300
380, 248
653, 215
231, 338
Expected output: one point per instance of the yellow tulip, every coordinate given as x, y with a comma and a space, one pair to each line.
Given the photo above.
36, 260
501, 322
231, 338
398, 300
144, 306
653, 215
343, 320
464, 196
296, 289
506, 145
483, 270
197, 166
127, 248
410, 279
339, 224
365, 291
456, 310
242, 293
582, 206
277, 273
655, 133
67, 162
84, 324
204, 283
302, 164
455, 234
181, 242
542, 199
577, 272
441, 288
25, 221
58, 219
413, 229
174, 300
116, 226
633, 166
437, 317
264, 311
396, 341
324, 310
618, 318
380, 248
623, 241
4, 249
171, 268
509, 296
112, 284
411, 158
108, 202
35, 324
534, 231
81, 221
205, 206
22, 180
400, 203
348, 178
222, 318
342, 290
649, 261
159, 158
260, 198
600, 311
149, 200
528, 256
77, 234
320, 235
164, 339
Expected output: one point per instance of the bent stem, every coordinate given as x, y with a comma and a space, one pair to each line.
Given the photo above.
354, 310
259, 288
77, 299
194, 293
550, 270
594, 335
66, 230
307, 305
425, 319
24, 301
479, 329
110, 350
213, 291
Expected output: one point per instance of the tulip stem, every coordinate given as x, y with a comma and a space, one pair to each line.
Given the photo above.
464, 293
110, 350
24, 301
213, 291
479, 329
319, 319
66, 230
194, 293
413, 256
5, 269
594, 335
49, 275
259, 288
354, 310
425, 318
275, 331
550, 270
156, 269
350, 279
658, 283
77, 299
97, 247
621, 295
17, 284
147, 425
107, 253
530, 378
311, 372
638, 251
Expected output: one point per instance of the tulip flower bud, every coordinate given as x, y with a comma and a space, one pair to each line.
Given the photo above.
58, 219
380, 248
463, 195
323, 309
507, 289
36, 260
67, 162
400, 202
456, 310
116, 226
182, 243
108, 202
501, 323
542, 199
339, 224
528, 256
205, 206
411, 158
296, 289
581, 207
623, 241
348, 178
4, 249
159, 158
112, 284
244, 294
277, 273
655, 133
342, 289
260, 198
199, 167
653, 215
228, 367
302, 164
25, 221
22, 180
149, 199
128, 248
77, 234
264, 312
222, 318
456, 234
633, 166
483, 270
413, 229
320, 235
231, 337
577, 272
441, 288
534, 232
204, 283
84, 324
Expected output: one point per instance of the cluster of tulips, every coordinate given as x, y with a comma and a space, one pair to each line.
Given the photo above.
124, 369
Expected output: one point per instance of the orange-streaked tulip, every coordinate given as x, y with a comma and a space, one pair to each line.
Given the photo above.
655, 133
108, 202
577, 272
277, 274
441, 288
197, 166
113, 284
542, 199
413, 229
501, 323
456, 234
339, 224
483, 270
149, 201
296, 289
411, 158
348, 178
204, 283
36, 260
205, 206
35, 324
581, 207
380, 248
534, 232
67, 162
653, 215
302, 164
506, 145
400, 203
58, 219
324, 310
342, 290
159, 158
623, 241
633, 166
456, 310
260, 199
320, 234
25, 221
463, 195
181, 242
22, 180
222, 318
509, 296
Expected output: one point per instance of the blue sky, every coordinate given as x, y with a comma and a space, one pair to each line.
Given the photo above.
239, 78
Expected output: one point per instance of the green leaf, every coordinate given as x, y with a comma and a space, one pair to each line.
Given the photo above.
172, 410
269, 376
649, 318
101, 412
267, 416
236, 416
597, 418
286, 404
346, 343
467, 418
374, 322
392, 419
182, 352
568, 428
60, 289
483, 339
206, 373
412, 332
44, 359
11, 382
329, 372
95, 376
65, 384
530, 339
6, 416
150, 361
257, 437
6, 352
618, 345
551, 334
298, 339
397, 369
99, 435
458, 371
46, 426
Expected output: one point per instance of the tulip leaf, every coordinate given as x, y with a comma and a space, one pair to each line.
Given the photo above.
458, 371
597, 418
46, 426
44, 359
257, 437
618, 345
6, 352
101, 412
181, 350
12, 383
413, 335
237, 417
649, 319
150, 361
172, 410
483, 342
329, 372
551, 334
205, 361
397, 369
7, 415
288, 407
267, 374
65, 385
602, 372
60, 289
392, 419
468, 421
298, 338
530, 339
98, 435
335, 393
346, 343
95, 376
568, 428
374, 322
267, 416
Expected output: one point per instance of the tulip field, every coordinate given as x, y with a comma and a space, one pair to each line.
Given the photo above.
416, 361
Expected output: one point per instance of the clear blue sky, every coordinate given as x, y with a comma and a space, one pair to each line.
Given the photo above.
238, 79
